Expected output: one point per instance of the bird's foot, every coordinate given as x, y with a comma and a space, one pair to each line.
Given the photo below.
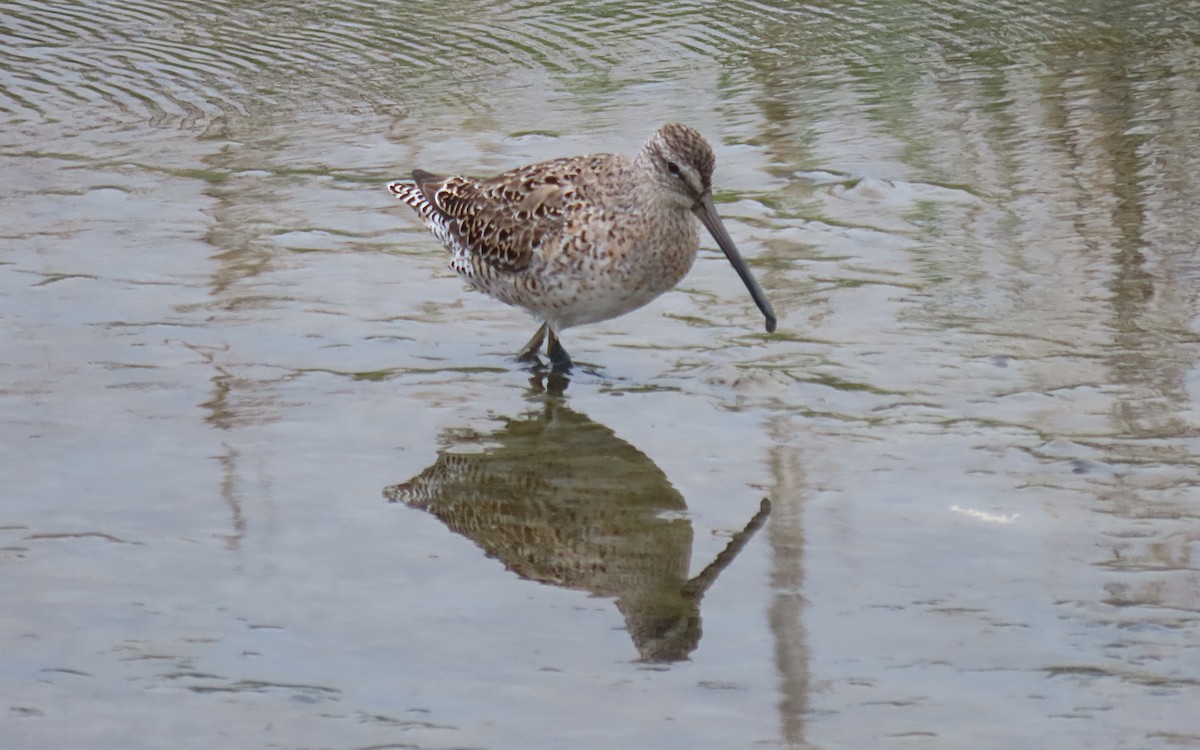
548, 382
560, 361
529, 352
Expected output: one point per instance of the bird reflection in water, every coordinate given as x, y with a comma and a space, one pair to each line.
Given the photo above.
558, 498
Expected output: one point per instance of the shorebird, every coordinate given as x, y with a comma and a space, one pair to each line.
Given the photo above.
581, 239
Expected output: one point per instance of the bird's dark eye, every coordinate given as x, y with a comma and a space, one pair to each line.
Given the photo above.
673, 168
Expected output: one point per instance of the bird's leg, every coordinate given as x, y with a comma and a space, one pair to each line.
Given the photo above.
560, 361
529, 352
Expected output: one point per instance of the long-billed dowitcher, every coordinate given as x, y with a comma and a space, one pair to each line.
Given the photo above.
581, 239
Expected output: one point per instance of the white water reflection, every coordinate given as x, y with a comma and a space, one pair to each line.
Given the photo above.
978, 423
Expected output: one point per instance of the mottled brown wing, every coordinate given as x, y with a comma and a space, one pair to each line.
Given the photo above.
502, 221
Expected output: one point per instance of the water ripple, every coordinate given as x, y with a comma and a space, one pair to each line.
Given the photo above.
172, 61
166, 61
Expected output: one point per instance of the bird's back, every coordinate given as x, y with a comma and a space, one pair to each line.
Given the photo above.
497, 225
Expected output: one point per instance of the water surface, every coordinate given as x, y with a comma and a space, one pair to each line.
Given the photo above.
226, 348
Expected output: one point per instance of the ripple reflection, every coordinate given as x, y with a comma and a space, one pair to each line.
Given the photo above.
560, 499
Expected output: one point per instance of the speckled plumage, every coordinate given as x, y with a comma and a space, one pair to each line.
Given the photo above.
581, 239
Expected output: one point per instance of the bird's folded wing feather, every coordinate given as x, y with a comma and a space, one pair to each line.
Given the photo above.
501, 222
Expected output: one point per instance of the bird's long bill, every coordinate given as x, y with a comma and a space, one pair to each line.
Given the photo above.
707, 213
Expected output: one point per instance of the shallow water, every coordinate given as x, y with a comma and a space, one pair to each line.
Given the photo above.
226, 349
